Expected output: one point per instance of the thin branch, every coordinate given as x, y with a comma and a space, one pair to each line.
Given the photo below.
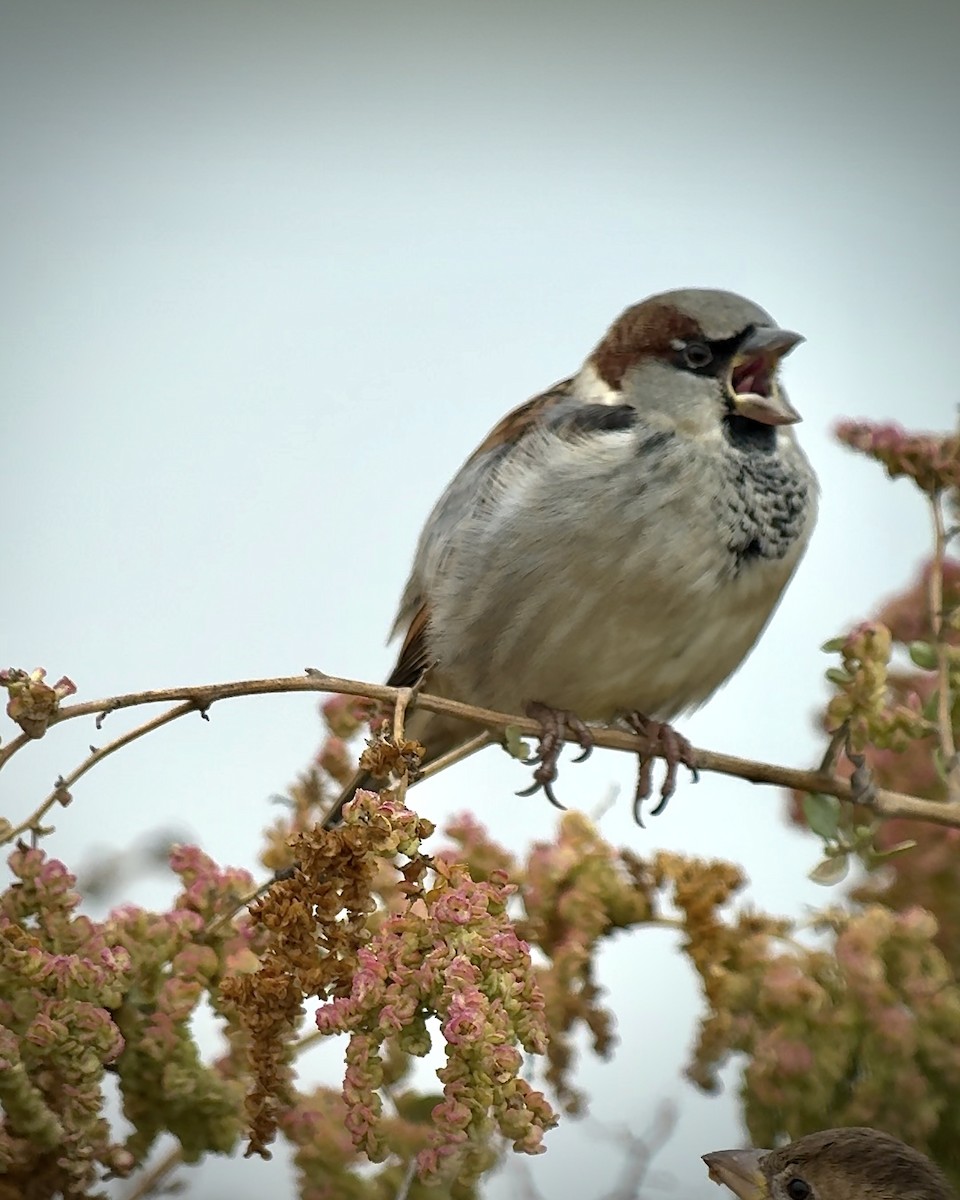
147, 1184
404, 696
640, 1151
10, 749
407, 1181
885, 803
948, 746
61, 791
831, 756
457, 754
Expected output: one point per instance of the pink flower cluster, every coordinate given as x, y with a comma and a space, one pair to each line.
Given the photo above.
32, 702
880, 1023
78, 996
864, 699
59, 978
931, 460
452, 956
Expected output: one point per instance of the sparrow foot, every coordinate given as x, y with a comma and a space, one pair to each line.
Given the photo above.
675, 750
554, 724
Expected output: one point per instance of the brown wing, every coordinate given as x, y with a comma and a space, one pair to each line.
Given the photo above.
414, 658
515, 424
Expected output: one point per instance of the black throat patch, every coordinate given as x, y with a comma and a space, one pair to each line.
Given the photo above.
749, 436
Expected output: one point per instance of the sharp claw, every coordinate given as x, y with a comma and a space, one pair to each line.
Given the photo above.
545, 786
662, 802
548, 792
642, 790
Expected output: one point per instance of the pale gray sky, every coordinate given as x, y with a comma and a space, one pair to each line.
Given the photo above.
271, 270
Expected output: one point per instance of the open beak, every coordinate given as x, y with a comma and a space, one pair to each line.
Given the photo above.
740, 1170
751, 379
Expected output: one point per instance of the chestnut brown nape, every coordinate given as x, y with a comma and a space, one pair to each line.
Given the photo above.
859, 1164
644, 330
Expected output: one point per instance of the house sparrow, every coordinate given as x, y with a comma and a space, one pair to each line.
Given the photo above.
613, 548
837, 1164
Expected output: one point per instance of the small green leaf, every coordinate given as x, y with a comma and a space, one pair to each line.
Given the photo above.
833, 645
830, 870
932, 705
418, 1109
514, 743
899, 848
822, 814
923, 655
837, 675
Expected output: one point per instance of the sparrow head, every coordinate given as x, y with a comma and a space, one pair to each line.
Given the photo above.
702, 358
836, 1164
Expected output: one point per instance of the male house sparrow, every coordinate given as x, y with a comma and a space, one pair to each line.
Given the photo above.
836, 1164
613, 547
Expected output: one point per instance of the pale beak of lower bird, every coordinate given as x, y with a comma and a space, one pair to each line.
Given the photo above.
739, 1170
751, 379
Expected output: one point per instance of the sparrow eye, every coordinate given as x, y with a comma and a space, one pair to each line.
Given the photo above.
696, 356
798, 1189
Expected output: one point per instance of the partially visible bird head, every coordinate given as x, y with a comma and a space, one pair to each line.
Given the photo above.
836, 1164
701, 357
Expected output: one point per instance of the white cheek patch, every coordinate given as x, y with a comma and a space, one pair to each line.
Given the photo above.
591, 389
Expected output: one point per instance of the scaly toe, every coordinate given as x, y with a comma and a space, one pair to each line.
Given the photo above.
583, 735
675, 750
554, 724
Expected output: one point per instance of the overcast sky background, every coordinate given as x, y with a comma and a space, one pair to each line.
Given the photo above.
270, 271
